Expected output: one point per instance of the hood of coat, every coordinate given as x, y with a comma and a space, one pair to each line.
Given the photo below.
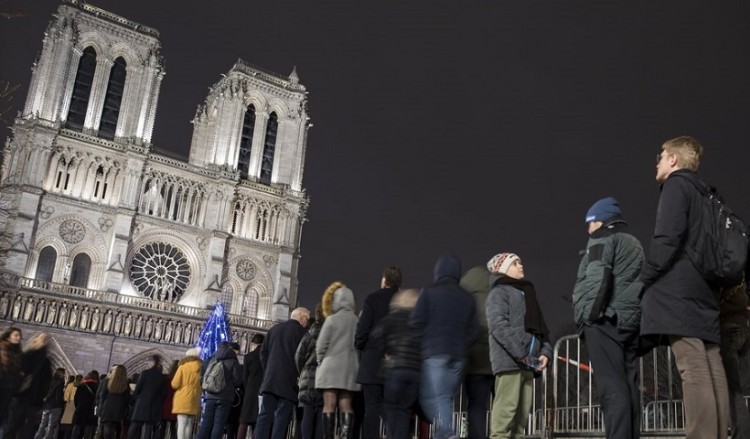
189, 359
447, 267
476, 280
343, 298
225, 353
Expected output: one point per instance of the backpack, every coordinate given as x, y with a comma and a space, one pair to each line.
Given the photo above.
719, 251
214, 380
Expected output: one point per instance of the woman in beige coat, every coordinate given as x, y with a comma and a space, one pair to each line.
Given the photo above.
66, 421
336, 375
187, 396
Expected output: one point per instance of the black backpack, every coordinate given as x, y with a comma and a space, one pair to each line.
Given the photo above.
719, 251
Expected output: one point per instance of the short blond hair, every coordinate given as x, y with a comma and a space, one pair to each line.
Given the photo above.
687, 150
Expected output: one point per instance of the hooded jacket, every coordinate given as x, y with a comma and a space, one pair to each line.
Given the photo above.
307, 363
232, 374
187, 385
476, 281
445, 314
337, 359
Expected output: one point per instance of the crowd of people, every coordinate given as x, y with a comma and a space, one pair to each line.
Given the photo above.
409, 351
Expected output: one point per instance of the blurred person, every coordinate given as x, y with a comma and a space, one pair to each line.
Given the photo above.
25, 411
66, 421
167, 424
148, 396
233, 419
309, 397
735, 344
252, 379
187, 396
401, 346
84, 418
10, 368
336, 375
114, 401
519, 344
446, 316
52, 409
369, 376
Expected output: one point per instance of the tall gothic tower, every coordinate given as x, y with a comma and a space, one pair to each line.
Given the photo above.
89, 209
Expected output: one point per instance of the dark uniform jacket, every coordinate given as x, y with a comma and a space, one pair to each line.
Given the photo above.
677, 300
277, 356
375, 308
608, 278
253, 378
149, 393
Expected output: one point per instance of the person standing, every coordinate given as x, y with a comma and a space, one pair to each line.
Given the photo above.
52, 407
66, 422
114, 400
607, 311
187, 396
278, 392
10, 368
84, 419
253, 378
735, 344
479, 379
148, 395
519, 344
678, 306
336, 375
218, 404
369, 375
446, 316
309, 397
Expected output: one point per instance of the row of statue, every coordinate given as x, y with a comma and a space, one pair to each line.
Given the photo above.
66, 315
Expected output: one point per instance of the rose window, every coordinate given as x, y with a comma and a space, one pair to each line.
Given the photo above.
160, 271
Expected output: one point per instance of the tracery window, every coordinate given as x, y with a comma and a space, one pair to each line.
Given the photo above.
246, 141
269, 148
113, 99
79, 102
160, 271
45, 268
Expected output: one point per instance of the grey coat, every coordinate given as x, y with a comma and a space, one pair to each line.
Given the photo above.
509, 340
337, 359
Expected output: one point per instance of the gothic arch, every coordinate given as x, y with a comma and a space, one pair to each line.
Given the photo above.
127, 51
58, 358
257, 100
279, 107
95, 40
137, 363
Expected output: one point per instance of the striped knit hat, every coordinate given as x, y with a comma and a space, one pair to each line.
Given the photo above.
500, 263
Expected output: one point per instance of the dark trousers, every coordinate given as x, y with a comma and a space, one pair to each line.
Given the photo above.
478, 393
373, 394
22, 421
312, 422
401, 392
735, 344
140, 429
111, 430
613, 356
215, 415
273, 417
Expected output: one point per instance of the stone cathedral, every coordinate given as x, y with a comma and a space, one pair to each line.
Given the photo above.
120, 252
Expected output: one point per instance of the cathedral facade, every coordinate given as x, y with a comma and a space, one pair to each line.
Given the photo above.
104, 236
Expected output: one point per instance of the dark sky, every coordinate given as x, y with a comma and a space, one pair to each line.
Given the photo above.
461, 127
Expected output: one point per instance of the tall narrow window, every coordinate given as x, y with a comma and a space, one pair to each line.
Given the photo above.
246, 142
79, 274
113, 99
46, 266
266, 164
79, 102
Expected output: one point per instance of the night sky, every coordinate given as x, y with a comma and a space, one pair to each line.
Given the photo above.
467, 128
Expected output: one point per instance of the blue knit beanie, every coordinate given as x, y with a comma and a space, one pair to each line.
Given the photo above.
604, 209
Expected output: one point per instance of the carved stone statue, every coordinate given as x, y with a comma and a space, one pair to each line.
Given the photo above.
63, 319
17, 304
187, 337
118, 323
128, 324
138, 326
94, 326
28, 312
40, 308
84, 318
149, 328
4, 305
168, 332
158, 329
73, 317
107, 323
178, 333
51, 313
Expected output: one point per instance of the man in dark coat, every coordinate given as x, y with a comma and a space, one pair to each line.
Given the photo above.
678, 306
607, 310
279, 388
446, 315
218, 405
53, 407
148, 395
369, 375
253, 378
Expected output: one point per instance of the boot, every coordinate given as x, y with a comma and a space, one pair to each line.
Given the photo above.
347, 425
329, 422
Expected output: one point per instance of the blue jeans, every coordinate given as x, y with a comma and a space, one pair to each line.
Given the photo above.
273, 417
440, 381
215, 415
400, 395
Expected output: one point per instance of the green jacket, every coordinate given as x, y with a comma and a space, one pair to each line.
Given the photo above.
607, 283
